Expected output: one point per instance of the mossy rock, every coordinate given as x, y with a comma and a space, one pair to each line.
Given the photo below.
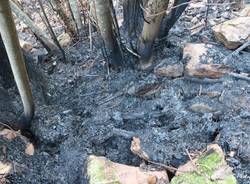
211, 168
195, 178
101, 170
96, 169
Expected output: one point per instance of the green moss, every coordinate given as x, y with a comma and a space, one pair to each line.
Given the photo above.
191, 178
96, 173
208, 163
228, 180
206, 166
195, 178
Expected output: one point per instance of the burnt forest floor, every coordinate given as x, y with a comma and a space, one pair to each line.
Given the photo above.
83, 109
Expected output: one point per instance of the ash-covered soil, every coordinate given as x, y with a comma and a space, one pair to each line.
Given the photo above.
84, 108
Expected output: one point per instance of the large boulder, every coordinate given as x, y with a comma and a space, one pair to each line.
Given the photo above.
201, 63
233, 33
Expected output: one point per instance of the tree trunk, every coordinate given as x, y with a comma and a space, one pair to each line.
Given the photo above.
5, 69
153, 14
133, 21
77, 15
106, 27
11, 42
70, 14
60, 10
48, 44
133, 16
51, 30
169, 21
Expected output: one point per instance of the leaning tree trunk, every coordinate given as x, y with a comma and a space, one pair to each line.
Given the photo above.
169, 21
153, 14
77, 15
60, 10
51, 30
70, 13
48, 44
106, 27
11, 42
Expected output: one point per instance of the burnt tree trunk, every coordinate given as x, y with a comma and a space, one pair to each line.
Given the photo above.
154, 12
77, 15
5, 69
133, 21
169, 21
59, 7
107, 30
15, 55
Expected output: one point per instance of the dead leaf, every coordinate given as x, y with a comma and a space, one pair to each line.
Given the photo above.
8, 134
5, 168
136, 148
30, 149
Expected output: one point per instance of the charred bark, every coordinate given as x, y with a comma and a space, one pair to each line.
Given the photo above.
5, 69
77, 15
58, 6
107, 30
12, 46
153, 15
169, 21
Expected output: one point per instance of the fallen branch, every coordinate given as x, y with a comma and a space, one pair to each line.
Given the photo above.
236, 52
202, 81
7, 126
124, 133
239, 76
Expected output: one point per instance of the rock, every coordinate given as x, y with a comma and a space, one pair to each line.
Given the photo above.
200, 62
5, 168
26, 46
8, 134
233, 33
102, 170
64, 39
30, 149
201, 108
209, 168
171, 71
245, 12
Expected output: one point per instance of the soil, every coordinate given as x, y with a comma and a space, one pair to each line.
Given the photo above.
84, 108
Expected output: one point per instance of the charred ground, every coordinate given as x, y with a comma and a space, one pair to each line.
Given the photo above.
86, 109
